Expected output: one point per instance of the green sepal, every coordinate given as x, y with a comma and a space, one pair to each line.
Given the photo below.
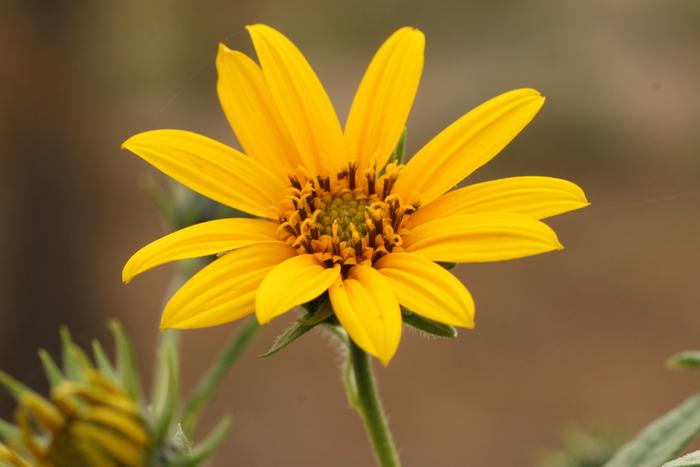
204, 390
292, 333
73, 361
301, 326
166, 387
662, 439
689, 460
324, 312
204, 450
126, 362
180, 441
102, 360
688, 360
398, 155
320, 312
428, 326
9, 433
53, 372
447, 265
14, 387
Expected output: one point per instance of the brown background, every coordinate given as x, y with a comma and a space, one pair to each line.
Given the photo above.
572, 337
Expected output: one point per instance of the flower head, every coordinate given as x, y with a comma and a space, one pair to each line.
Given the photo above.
333, 212
95, 415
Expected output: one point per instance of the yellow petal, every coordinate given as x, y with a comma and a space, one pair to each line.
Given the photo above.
473, 238
251, 111
303, 103
538, 197
295, 281
368, 310
224, 291
129, 426
93, 453
212, 169
384, 98
13, 459
427, 289
117, 447
467, 144
203, 239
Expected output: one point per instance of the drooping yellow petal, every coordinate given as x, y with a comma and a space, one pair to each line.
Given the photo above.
467, 144
12, 458
384, 98
93, 453
303, 103
366, 306
128, 426
538, 197
474, 238
203, 239
293, 282
427, 289
122, 450
251, 111
213, 169
224, 291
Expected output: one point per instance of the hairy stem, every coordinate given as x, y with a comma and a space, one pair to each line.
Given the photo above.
362, 393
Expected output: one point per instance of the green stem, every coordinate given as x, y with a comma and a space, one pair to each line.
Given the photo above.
213, 377
362, 392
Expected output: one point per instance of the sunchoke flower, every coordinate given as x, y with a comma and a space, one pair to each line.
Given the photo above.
331, 211
96, 415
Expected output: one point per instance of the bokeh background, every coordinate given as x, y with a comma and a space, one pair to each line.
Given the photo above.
576, 337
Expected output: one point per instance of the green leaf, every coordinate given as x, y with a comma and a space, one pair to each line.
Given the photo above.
579, 447
213, 377
662, 439
126, 362
292, 333
689, 360
399, 154
203, 451
428, 325
689, 460
53, 373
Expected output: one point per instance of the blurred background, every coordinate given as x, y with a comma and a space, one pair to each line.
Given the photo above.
575, 337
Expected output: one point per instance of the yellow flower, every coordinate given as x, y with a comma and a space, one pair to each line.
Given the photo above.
90, 423
331, 213
96, 415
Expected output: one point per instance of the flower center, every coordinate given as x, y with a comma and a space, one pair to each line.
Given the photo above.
346, 210
347, 219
